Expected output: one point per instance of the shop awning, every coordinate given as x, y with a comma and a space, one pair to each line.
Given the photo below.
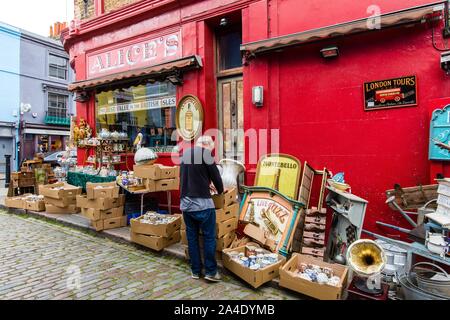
183, 64
408, 16
47, 132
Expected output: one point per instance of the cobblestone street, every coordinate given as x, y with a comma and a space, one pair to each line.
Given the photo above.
40, 260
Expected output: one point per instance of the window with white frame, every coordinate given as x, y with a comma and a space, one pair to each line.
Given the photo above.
58, 66
57, 105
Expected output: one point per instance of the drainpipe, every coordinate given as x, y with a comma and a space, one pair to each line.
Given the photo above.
446, 31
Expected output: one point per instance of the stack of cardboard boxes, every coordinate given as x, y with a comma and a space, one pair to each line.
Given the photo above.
157, 177
27, 201
22, 179
156, 231
60, 197
227, 210
103, 205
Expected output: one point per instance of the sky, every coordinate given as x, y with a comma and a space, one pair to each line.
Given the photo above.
36, 15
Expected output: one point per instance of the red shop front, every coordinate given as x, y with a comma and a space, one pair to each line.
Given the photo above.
156, 52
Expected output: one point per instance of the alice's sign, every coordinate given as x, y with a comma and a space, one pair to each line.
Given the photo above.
165, 102
152, 51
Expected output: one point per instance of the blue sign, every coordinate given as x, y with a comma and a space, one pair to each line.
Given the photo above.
440, 134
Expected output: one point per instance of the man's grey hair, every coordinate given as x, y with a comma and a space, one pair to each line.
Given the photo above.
205, 141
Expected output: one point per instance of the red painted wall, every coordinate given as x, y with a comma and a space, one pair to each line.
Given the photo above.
316, 104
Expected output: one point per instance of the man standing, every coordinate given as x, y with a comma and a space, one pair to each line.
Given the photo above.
197, 171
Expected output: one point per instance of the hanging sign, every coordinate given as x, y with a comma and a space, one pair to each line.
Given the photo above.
439, 145
146, 53
189, 117
280, 172
390, 93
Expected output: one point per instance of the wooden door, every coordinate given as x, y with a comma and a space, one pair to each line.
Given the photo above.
231, 117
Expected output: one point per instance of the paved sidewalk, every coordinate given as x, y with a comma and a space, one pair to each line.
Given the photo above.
41, 260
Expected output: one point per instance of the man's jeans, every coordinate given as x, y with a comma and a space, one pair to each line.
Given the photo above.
205, 221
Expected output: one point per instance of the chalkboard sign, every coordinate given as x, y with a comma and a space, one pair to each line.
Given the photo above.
390, 93
440, 134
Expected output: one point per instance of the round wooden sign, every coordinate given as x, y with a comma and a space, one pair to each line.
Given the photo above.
189, 117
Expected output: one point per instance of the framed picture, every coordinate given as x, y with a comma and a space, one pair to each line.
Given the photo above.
390, 93
280, 172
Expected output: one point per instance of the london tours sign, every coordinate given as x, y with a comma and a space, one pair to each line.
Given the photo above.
141, 54
390, 93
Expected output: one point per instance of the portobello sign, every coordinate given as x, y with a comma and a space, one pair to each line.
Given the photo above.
152, 51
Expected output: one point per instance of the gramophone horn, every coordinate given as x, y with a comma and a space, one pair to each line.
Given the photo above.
366, 257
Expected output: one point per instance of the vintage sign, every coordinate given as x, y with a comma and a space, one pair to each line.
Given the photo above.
152, 51
391, 93
280, 172
276, 216
164, 102
439, 144
189, 117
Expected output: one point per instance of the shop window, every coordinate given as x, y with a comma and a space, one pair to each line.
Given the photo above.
149, 109
57, 105
229, 52
57, 67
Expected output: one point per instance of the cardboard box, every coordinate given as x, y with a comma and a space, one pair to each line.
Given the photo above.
72, 209
154, 242
62, 203
259, 236
97, 214
222, 228
156, 171
162, 185
23, 183
100, 203
309, 288
68, 191
35, 205
221, 243
225, 199
227, 213
254, 278
161, 230
16, 202
112, 223
102, 190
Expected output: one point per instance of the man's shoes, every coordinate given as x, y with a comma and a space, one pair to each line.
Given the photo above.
214, 278
195, 276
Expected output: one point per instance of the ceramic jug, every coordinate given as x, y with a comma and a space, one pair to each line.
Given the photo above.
230, 172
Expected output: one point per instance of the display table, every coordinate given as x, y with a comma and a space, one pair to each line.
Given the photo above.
143, 192
80, 179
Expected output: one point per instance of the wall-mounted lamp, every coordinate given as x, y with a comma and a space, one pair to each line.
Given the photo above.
258, 96
81, 96
223, 22
330, 52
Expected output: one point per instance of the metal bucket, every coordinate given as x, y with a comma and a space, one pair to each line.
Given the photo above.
411, 291
440, 287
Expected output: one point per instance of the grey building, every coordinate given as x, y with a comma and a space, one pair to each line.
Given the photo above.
45, 103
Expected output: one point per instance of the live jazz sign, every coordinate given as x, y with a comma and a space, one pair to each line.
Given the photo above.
152, 51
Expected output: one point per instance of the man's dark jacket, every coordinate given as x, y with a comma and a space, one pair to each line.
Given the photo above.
197, 170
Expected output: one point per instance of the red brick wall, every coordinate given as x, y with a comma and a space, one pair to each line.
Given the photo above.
110, 5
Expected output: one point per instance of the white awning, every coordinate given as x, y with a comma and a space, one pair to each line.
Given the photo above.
48, 132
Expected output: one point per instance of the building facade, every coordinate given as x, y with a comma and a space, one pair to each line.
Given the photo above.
48, 105
9, 93
312, 60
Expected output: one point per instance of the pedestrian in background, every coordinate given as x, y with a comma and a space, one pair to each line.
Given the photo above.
197, 170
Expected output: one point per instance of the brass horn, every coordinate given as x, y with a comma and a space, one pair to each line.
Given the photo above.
366, 257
